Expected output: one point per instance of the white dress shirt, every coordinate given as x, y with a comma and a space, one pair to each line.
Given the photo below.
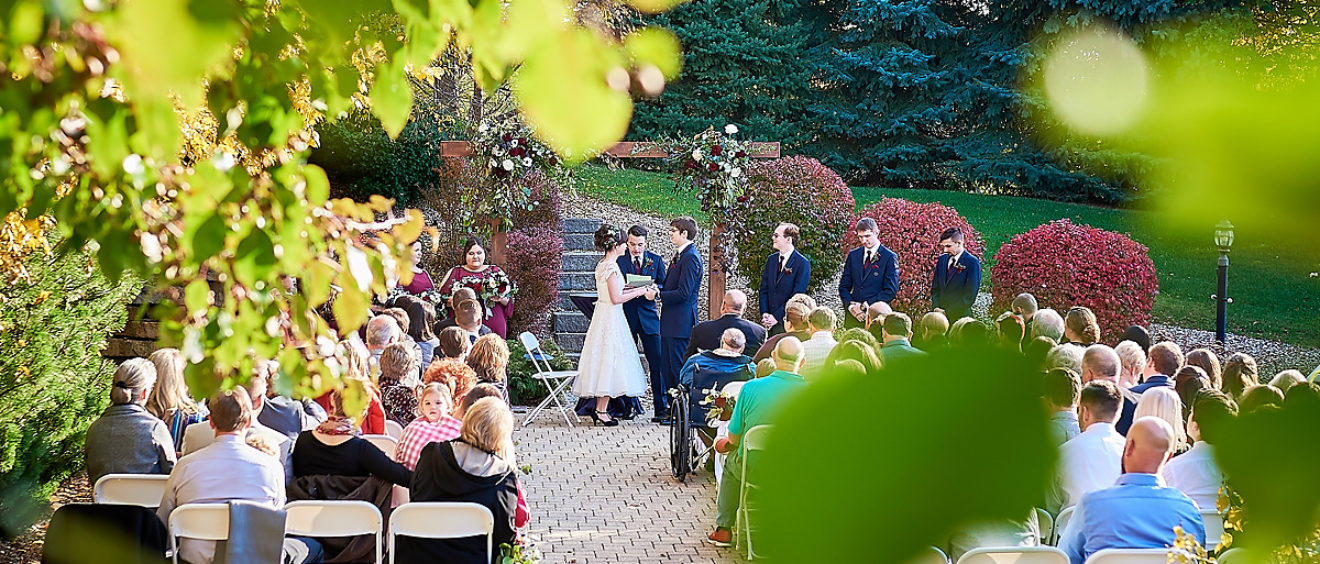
814, 352
1091, 461
1196, 474
227, 469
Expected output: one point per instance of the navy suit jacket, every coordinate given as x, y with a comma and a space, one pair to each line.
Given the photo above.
706, 335
877, 283
955, 292
679, 295
641, 312
777, 288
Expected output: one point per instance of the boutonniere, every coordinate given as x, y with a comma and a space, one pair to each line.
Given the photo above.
647, 262
958, 267
788, 270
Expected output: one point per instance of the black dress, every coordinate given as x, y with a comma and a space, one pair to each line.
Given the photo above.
438, 477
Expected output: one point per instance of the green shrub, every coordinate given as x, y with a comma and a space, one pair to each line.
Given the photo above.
523, 388
53, 381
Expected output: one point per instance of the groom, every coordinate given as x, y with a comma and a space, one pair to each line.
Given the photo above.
679, 312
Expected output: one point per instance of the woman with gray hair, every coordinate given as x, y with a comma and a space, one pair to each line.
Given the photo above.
127, 439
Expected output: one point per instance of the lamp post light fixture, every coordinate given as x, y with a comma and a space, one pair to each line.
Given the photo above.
1223, 240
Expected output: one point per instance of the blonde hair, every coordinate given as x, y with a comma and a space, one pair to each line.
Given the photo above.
356, 358
263, 442
440, 389
1164, 403
489, 358
488, 425
132, 377
171, 391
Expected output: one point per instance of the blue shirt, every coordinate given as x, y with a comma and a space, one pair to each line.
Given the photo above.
1138, 512
761, 398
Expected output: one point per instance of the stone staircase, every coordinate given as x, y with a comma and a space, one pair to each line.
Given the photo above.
578, 277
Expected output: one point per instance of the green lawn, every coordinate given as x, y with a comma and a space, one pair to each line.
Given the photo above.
1274, 295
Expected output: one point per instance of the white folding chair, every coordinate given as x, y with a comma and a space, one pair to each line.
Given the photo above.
752, 440
1014, 555
441, 520
385, 443
334, 519
130, 489
1046, 524
929, 555
200, 521
393, 429
1214, 527
561, 379
722, 430
1061, 522
1130, 556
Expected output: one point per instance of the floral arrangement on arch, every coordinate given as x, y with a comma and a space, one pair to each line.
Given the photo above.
714, 164
508, 152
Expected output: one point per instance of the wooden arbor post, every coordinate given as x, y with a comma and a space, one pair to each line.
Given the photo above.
716, 277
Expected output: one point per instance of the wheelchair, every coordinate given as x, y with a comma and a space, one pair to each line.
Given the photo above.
691, 440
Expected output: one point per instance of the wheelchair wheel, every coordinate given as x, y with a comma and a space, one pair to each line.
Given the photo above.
680, 438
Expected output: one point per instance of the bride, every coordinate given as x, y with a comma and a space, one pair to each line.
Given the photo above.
609, 366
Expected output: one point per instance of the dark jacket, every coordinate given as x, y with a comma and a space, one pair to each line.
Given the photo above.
706, 335
641, 313
869, 283
679, 294
438, 477
354, 457
289, 416
323, 487
777, 287
955, 290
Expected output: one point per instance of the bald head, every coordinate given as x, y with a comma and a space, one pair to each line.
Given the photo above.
788, 354
1150, 442
1100, 362
735, 301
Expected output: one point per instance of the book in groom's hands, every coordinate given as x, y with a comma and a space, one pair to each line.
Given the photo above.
638, 281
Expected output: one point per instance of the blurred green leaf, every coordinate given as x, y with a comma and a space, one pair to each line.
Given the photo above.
657, 46
25, 18
254, 258
391, 97
654, 6
562, 91
1270, 458
350, 310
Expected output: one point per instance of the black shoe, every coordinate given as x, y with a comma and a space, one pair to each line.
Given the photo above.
664, 418
596, 420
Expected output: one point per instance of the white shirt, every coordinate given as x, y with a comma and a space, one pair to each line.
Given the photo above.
869, 253
954, 259
227, 469
200, 435
1196, 474
814, 352
1091, 461
683, 247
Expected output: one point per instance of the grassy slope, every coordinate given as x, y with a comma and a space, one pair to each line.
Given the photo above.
1274, 295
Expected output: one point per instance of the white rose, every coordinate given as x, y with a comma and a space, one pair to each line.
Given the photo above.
484, 128
696, 154
499, 152
730, 129
508, 165
736, 172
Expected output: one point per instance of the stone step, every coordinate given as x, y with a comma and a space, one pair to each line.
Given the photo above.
577, 282
581, 262
580, 225
566, 304
570, 322
579, 242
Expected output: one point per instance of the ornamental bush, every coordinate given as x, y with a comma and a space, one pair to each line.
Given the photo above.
53, 381
1065, 265
801, 191
523, 388
912, 231
535, 260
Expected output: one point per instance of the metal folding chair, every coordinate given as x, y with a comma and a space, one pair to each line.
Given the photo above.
752, 440
556, 381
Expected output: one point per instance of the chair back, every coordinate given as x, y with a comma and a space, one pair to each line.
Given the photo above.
735, 388
1130, 556
1214, 527
754, 438
929, 555
385, 443
1046, 525
334, 519
1014, 555
130, 489
393, 429
441, 520
1240, 555
201, 521
1061, 522
533, 346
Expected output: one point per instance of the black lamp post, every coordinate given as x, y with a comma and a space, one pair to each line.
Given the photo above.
1223, 240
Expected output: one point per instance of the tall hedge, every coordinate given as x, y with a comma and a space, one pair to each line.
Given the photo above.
53, 381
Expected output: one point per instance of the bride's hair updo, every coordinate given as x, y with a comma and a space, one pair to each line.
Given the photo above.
609, 236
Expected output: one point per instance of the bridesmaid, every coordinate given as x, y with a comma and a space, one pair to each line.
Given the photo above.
474, 265
421, 281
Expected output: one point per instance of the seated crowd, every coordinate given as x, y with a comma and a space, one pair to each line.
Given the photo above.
446, 392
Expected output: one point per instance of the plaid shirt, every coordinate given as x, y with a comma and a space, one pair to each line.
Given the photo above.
420, 433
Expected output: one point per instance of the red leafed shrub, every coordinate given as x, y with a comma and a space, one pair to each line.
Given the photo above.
535, 260
797, 190
912, 231
1065, 265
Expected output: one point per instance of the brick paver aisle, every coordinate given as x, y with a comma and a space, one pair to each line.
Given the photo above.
606, 495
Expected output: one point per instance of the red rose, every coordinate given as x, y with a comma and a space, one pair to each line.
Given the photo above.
506, 137
691, 164
740, 154
713, 167
716, 150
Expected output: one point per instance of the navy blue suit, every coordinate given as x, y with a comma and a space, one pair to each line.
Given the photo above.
778, 286
643, 320
954, 291
679, 296
868, 283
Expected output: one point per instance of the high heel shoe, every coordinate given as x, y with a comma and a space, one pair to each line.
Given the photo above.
596, 420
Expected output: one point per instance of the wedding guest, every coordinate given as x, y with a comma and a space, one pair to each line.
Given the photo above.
796, 312
816, 349
1025, 305
1080, 326
1196, 473
421, 281
1239, 374
334, 448
706, 335
957, 277
473, 396
1047, 323
854, 351
1138, 511
1037, 352
435, 424
875, 315
1138, 335
454, 344
468, 319
460, 295
932, 333
1062, 388
382, 330
1259, 396
857, 334
476, 468
198, 436
1090, 461
1209, 362
1287, 379
786, 274
1100, 362
421, 316
357, 374
397, 398
765, 367
870, 274
1165, 404
1188, 382
643, 318
1010, 328
1067, 355
169, 398
757, 404
1163, 361
127, 439
1133, 359
474, 273
489, 359
283, 414
897, 334
728, 358
455, 374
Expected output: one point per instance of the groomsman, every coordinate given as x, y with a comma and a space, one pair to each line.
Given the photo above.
786, 273
643, 319
869, 275
679, 296
957, 277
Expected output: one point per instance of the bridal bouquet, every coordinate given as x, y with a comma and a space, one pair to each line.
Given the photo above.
721, 406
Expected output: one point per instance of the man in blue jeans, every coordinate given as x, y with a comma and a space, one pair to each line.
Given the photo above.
757, 404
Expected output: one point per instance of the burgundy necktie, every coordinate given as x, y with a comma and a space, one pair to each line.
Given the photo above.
782, 262
637, 265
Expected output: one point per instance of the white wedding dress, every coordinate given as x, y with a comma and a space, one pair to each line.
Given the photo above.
609, 365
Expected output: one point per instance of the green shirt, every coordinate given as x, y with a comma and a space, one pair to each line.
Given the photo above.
761, 398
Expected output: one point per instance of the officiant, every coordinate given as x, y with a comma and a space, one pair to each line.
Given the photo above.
643, 320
